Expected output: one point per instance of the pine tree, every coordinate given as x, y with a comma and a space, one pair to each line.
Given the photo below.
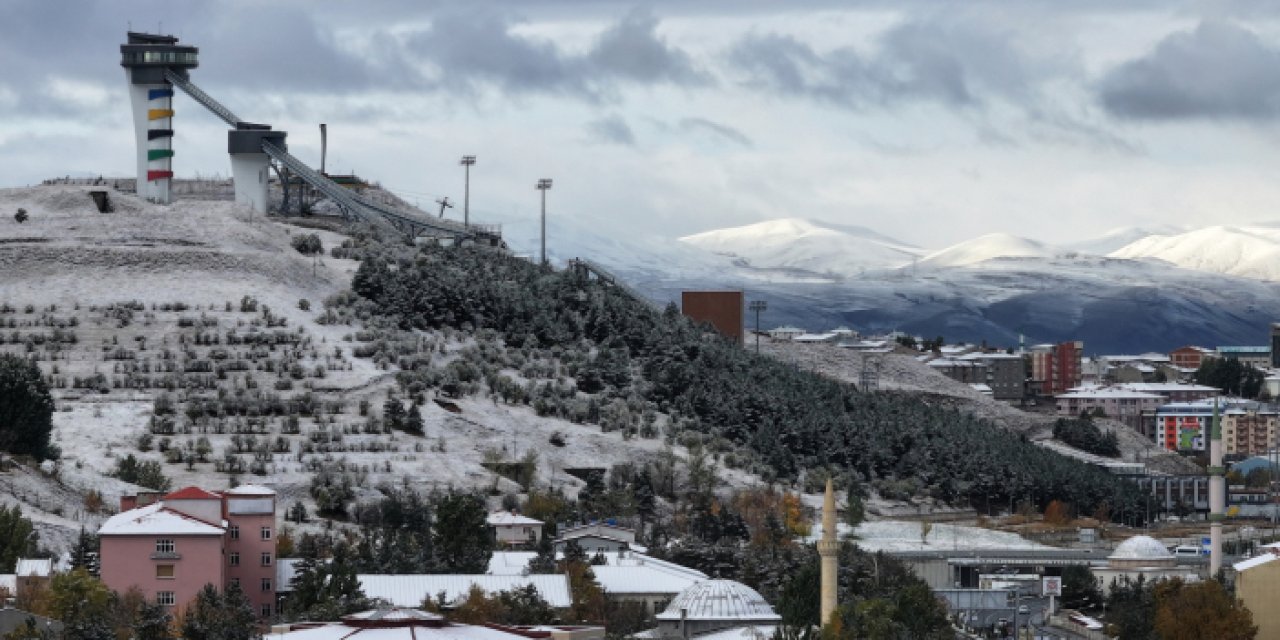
461, 535
545, 560
26, 408
393, 413
413, 421
153, 622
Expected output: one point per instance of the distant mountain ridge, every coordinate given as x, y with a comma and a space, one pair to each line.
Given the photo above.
1155, 292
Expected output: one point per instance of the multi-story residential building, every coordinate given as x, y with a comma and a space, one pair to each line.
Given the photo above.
1258, 357
1275, 345
966, 371
1117, 403
1183, 426
174, 545
1006, 373
1055, 368
1173, 391
1248, 432
1190, 357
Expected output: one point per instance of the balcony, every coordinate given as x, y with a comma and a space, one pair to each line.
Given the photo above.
166, 555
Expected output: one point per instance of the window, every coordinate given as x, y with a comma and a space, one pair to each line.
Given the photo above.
266, 533
164, 545
266, 559
235, 532
234, 559
165, 598
164, 571
266, 584
266, 610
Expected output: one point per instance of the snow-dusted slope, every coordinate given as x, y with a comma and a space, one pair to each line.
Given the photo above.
1119, 237
1251, 252
817, 247
988, 247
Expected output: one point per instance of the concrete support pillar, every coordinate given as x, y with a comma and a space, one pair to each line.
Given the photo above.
250, 167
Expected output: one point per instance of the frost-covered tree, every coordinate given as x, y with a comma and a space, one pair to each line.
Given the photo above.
26, 408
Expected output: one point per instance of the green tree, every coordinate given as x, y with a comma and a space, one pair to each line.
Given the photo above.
220, 616
1080, 589
325, 590
153, 622
1200, 610
26, 409
18, 538
524, 605
83, 604
461, 534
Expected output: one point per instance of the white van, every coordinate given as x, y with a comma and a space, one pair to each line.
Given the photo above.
1187, 551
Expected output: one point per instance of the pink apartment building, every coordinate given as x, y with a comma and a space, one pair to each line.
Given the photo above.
176, 544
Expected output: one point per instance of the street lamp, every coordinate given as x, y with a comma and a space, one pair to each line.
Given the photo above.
543, 185
758, 306
466, 163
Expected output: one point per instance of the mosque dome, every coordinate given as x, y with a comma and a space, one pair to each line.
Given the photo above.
1141, 548
720, 600
1140, 551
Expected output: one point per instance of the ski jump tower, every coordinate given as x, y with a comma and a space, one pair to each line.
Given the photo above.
153, 64
145, 59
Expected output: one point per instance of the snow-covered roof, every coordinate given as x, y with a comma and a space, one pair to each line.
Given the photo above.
1140, 548
1109, 392
817, 337
584, 535
191, 493
251, 490
155, 519
625, 572
1166, 387
399, 624
40, 567
998, 355
980, 387
746, 632
511, 519
409, 590
1256, 561
787, 329
726, 600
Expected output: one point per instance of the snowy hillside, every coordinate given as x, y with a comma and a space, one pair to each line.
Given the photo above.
1119, 237
989, 247
816, 247
1250, 252
196, 302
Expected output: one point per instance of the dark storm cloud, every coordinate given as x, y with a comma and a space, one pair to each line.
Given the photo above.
470, 49
716, 129
1219, 70
613, 130
958, 64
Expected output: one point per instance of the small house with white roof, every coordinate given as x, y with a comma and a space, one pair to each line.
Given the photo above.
599, 537
511, 528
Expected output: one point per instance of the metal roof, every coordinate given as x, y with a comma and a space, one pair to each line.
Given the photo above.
409, 590
725, 600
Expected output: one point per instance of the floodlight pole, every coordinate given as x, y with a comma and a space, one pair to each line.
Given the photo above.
543, 185
758, 306
466, 163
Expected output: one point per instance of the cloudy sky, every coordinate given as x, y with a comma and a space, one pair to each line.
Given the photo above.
929, 121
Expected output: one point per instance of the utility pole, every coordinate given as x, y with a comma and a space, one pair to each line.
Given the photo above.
466, 163
543, 185
444, 204
758, 306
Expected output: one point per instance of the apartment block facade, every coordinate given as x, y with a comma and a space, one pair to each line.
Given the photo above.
1056, 368
170, 546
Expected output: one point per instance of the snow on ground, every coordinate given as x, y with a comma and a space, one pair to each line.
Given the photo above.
208, 255
904, 535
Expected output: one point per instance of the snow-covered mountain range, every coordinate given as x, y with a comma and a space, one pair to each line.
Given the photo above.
1129, 289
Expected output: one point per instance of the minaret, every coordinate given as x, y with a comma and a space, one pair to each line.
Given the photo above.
828, 547
1217, 493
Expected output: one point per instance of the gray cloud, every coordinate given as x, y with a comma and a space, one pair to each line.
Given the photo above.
468, 49
612, 130
955, 64
633, 50
1219, 70
716, 129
